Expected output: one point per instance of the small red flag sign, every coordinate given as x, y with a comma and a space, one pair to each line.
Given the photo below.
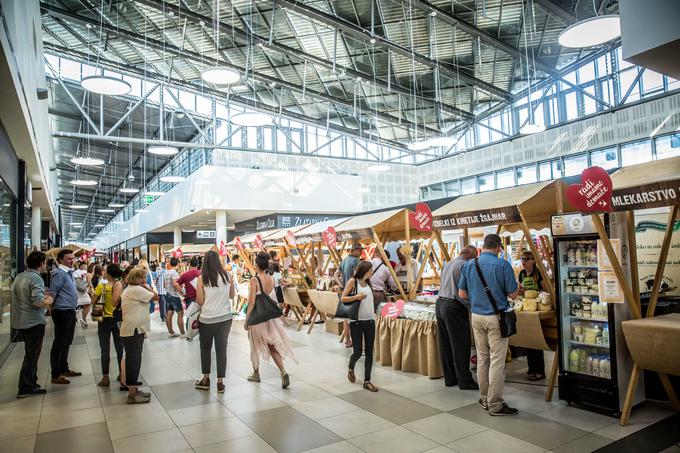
330, 237
421, 219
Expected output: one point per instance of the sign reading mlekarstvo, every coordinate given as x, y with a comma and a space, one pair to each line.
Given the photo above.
665, 193
509, 214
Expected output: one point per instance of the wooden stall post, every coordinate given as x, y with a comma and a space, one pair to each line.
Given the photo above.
632, 251
466, 237
390, 268
407, 235
442, 245
428, 250
292, 258
539, 262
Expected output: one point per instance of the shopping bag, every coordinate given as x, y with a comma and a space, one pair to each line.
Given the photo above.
193, 313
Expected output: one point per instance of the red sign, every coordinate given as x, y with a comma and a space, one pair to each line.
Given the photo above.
330, 237
259, 243
595, 192
290, 237
177, 253
223, 249
421, 219
392, 309
239, 244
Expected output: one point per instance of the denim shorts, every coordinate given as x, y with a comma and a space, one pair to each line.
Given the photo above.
173, 303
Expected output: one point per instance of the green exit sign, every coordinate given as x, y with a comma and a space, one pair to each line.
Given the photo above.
148, 199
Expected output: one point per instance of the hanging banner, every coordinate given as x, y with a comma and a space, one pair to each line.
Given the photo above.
508, 214
259, 243
238, 242
421, 219
357, 235
330, 237
595, 192
290, 237
223, 249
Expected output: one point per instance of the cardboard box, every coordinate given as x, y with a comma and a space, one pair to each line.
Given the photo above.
333, 326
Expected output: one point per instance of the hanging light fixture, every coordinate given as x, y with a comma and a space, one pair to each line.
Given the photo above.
116, 205
220, 75
79, 206
99, 225
128, 190
163, 150
84, 182
591, 32
251, 119
106, 210
75, 224
110, 86
88, 161
172, 179
154, 193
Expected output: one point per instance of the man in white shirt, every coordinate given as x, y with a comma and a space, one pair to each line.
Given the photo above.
381, 279
173, 302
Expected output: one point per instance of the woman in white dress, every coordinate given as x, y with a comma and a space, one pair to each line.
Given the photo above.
267, 339
84, 287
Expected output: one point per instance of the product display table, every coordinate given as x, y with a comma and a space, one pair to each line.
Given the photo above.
408, 345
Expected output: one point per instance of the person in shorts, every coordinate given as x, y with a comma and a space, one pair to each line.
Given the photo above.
173, 302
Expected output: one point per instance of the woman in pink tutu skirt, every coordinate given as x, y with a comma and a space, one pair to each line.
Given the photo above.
267, 339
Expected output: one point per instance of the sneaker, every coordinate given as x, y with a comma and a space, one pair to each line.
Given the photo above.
139, 398
285, 381
173, 335
189, 339
220, 387
31, 392
482, 404
71, 373
203, 384
505, 410
144, 394
105, 382
255, 377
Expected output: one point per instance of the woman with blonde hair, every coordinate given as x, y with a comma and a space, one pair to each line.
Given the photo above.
144, 264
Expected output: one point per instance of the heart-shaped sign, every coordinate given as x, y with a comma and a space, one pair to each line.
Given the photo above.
290, 237
177, 253
238, 242
392, 309
595, 192
259, 243
330, 237
421, 219
223, 249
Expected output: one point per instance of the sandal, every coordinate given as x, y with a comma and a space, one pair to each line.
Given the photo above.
351, 377
369, 386
537, 377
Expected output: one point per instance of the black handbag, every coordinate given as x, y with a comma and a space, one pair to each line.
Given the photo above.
265, 308
349, 310
507, 319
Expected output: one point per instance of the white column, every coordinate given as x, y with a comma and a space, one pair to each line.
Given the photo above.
177, 236
36, 224
220, 226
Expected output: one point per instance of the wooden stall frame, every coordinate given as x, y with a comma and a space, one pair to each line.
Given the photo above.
381, 249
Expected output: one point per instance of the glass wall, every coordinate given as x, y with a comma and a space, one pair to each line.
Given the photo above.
8, 265
626, 154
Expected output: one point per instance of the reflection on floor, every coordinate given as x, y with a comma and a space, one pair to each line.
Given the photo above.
321, 412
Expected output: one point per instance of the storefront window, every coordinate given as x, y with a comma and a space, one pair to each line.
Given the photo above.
8, 263
668, 146
505, 179
468, 185
452, 188
636, 153
526, 174
486, 182
605, 158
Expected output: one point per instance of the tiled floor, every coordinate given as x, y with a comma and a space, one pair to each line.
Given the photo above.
320, 412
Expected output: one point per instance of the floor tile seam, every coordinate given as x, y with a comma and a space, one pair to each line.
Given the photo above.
234, 438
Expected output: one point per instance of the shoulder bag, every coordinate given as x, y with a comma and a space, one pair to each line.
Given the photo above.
507, 319
265, 308
349, 310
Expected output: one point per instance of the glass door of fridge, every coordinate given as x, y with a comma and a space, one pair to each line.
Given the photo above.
585, 321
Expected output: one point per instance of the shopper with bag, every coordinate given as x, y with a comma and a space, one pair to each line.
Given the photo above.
359, 294
264, 324
487, 281
106, 312
214, 292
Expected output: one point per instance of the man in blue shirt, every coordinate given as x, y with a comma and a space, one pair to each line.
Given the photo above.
63, 289
491, 347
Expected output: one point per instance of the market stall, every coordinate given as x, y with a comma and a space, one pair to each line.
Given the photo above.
188, 250
630, 189
78, 250
523, 208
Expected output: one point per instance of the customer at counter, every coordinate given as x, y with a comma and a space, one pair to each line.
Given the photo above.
530, 279
381, 280
453, 324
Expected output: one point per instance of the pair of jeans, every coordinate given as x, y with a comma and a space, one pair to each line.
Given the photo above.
219, 333
535, 361
491, 352
133, 357
363, 336
64, 329
33, 340
107, 328
453, 332
161, 306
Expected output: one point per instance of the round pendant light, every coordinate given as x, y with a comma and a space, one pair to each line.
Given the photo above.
128, 190
532, 129
84, 182
591, 32
110, 86
88, 161
172, 179
378, 168
154, 193
99, 225
79, 206
251, 119
163, 150
116, 205
219, 75
106, 210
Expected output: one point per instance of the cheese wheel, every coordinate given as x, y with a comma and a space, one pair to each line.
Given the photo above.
530, 294
544, 307
530, 305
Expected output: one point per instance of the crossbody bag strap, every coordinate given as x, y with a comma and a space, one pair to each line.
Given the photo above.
486, 287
